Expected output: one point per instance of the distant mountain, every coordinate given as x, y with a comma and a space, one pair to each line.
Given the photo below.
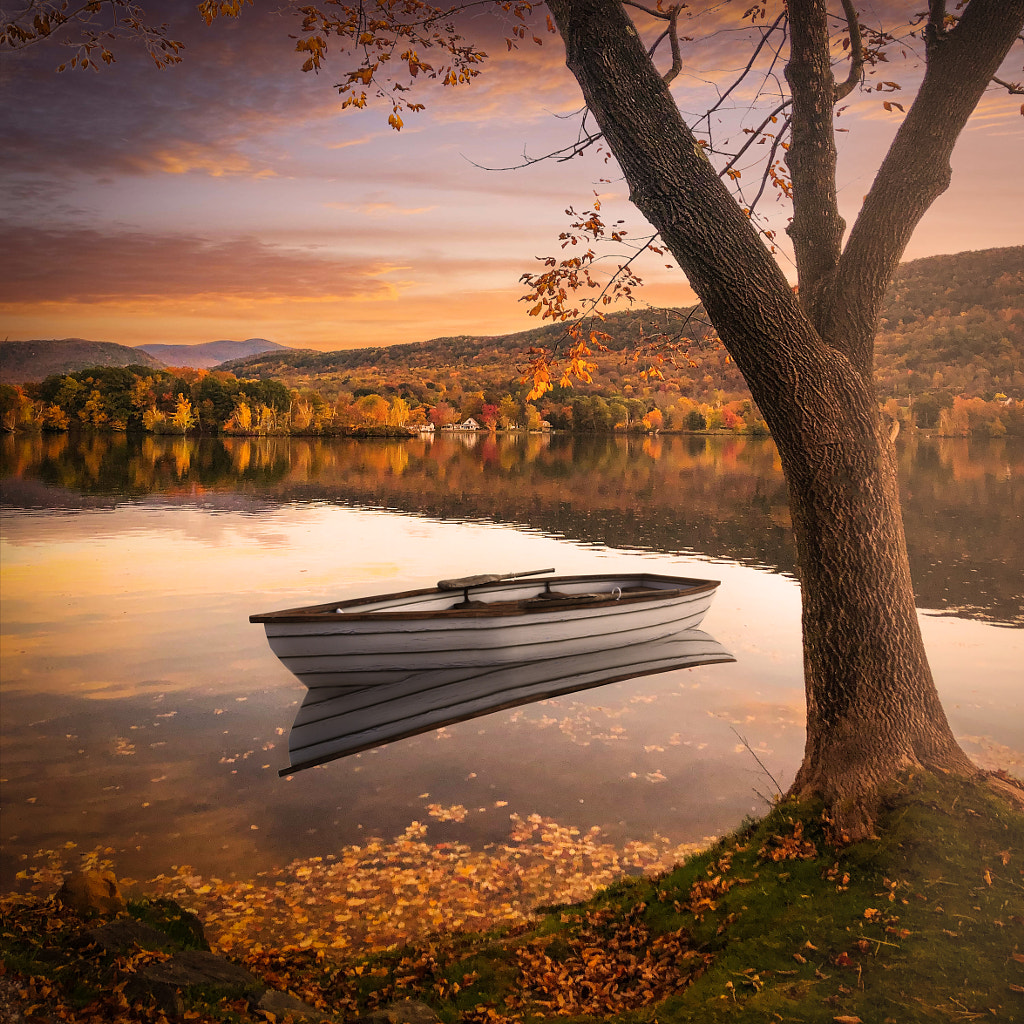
211, 353
22, 361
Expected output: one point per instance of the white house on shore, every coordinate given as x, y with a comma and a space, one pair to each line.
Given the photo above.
467, 424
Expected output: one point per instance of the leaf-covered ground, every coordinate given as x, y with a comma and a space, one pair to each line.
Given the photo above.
381, 894
771, 924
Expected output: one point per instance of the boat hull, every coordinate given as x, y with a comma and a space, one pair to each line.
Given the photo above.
367, 642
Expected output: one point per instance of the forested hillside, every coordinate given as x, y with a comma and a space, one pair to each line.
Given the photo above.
955, 324
952, 326
688, 354
22, 361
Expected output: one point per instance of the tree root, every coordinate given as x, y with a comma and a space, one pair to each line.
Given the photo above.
853, 810
1003, 784
854, 792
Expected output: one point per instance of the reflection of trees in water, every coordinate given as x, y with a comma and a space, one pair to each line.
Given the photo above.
266, 459
723, 497
132, 465
963, 504
719, 496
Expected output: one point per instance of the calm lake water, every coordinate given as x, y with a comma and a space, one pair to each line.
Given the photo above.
142, 712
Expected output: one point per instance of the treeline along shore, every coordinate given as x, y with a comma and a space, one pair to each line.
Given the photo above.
212, 402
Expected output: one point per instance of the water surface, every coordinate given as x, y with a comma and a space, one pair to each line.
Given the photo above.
142, 712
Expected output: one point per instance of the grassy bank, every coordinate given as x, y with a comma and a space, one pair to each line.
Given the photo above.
926, 923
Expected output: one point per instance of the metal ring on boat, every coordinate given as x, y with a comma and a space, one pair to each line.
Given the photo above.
616, 592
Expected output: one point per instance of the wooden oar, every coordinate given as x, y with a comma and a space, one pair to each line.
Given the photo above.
479, 581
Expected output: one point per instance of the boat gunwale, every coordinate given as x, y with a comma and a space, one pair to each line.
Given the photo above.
329, 611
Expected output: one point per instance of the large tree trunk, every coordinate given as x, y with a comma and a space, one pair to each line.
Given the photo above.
872, 707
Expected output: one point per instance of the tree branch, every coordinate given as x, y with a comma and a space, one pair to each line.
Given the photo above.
749, 65
672, 17
673, 37
756, 133
561, 155
816, 229
767, 175
856, 52
43, 20
937, 16
652, 11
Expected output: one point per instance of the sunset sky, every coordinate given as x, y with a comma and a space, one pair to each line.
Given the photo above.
231, 197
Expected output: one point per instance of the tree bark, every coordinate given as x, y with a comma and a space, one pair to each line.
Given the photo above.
816, 229
872, 706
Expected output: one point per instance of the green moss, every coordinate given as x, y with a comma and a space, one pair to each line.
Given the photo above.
183, 929
925, 927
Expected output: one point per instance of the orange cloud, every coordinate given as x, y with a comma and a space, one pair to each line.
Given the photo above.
998, 113
384, 209
189, 158
363, 140
390, 316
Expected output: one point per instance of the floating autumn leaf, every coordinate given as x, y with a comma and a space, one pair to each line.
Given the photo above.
385, 893
454, 813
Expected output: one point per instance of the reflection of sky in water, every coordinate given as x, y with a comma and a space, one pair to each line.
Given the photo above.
143, 711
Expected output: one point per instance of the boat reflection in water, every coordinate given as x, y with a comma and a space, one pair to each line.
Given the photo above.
382, 668
335, 722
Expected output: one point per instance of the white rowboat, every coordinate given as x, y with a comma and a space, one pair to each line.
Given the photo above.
372, 641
